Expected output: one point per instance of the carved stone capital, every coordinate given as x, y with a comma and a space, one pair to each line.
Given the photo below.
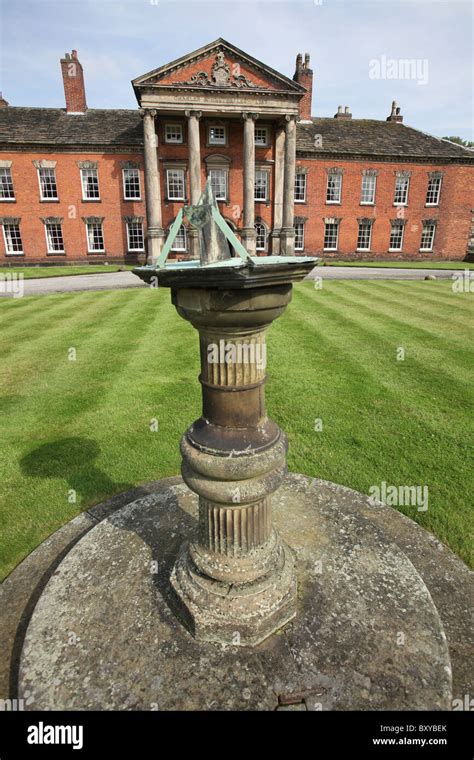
246, 115
196, 114
147, 112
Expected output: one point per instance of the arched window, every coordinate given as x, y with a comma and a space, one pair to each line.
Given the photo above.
180, 241
261, 239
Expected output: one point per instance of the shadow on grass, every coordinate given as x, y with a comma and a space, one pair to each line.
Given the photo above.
72, 460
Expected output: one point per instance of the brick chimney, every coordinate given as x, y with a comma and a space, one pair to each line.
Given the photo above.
3, 103
343, 114
304, 76
73, 79
395, 115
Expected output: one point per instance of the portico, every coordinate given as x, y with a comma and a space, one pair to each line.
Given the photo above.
229, 97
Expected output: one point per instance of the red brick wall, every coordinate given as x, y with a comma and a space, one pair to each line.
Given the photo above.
232, 210
453, 211
70, 206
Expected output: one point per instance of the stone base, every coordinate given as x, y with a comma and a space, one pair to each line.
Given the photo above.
240, 614
366, 635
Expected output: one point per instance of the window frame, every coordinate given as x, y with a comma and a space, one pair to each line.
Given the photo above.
433, 235
135, 250
373, 178
173, 124
264, 128
265, 234
305, 186
302, 225
330, 175
185, 235
12, 199
95, 250
405, 202
96, 173
183, 173
402, 237
213, 141
265, 173
51, 251
12, 253
52, 169
225, 172
334, 224
132, 169
439, 180
369, 246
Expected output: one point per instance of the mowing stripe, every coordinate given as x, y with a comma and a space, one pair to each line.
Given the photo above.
440, 311
378, 307
359, 325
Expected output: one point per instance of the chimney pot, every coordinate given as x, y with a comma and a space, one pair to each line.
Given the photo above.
343, 114
395, 114
304, 76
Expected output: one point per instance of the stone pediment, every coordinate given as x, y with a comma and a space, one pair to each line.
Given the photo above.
218, 66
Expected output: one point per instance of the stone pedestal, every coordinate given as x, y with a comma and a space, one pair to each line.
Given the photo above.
104, 636
236, 582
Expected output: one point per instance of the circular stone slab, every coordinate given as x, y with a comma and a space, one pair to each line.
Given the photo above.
366, 635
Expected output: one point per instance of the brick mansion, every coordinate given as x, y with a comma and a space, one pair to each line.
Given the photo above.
80, 184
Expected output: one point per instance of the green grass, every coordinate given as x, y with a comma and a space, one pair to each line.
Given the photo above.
403, 264
84, 424
30, 273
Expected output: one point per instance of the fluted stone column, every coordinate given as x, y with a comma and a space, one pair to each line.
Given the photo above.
194, 158
288, 231
278, 188
248, 229
155, 233
235, 583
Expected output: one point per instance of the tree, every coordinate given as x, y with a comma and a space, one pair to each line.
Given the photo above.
460, 141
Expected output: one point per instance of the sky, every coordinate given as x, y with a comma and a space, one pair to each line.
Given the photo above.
364, 54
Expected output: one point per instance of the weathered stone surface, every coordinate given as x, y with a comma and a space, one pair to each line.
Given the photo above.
22, 589
366, 635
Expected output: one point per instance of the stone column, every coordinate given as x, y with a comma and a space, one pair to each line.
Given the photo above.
248, 228
278, 188
235, 581
194, 159
155, 234
287, 246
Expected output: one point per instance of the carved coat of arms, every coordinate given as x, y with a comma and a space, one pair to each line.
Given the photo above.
221, 71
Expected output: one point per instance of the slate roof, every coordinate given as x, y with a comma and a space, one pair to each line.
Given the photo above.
370, 137
120, 128
53, 126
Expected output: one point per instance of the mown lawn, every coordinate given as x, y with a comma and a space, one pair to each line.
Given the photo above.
30, 273
402, 264
85, 424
